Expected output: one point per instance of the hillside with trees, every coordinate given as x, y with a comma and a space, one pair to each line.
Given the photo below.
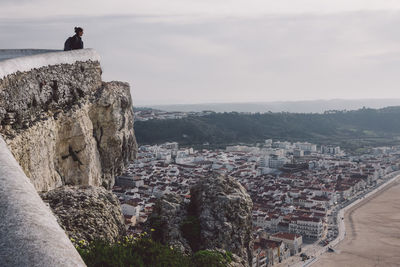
350, 129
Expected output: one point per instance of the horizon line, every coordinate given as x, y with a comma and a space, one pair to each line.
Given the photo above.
274, 101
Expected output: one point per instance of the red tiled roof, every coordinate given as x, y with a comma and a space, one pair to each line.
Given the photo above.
287, 236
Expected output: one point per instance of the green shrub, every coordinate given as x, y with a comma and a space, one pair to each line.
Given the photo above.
211, 258
157, 227
143, 252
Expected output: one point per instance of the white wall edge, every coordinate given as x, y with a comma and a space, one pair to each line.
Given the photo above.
27, 63
29, 232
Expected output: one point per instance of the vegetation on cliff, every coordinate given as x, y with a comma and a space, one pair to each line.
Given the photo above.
143, 251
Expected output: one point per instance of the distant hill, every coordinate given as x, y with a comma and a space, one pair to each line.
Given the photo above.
312, 106
350, 129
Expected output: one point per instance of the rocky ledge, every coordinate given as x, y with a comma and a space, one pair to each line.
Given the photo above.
65, 126
218, 217
87, 212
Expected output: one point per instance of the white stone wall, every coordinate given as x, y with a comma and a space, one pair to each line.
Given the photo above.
29, 232
14, 53
27, 63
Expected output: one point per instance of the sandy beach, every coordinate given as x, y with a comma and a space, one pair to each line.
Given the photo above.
372, 232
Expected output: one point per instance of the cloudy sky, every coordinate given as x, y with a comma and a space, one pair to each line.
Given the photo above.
185, 51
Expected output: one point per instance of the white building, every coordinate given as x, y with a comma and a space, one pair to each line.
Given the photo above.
164, 155
246, 149
284, 145
131, 195
306, 146
263, 161
277, 162
298, 153
262, 220
311, 228
130, 210
268, 142
294, 241
332, 150
171, 146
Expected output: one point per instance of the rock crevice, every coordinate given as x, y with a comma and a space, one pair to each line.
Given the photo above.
218, 217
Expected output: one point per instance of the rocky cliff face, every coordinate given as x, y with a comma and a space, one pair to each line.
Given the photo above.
168, 215
224, 210
67, 127
87, 212
217, 217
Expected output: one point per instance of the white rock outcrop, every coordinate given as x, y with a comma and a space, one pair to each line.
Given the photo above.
62, 123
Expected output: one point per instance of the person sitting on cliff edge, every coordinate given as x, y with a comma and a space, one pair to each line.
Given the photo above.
74, 42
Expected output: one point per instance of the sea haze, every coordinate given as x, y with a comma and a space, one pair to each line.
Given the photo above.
310, 106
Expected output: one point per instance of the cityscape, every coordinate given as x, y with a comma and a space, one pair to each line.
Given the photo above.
201, 134
297, 188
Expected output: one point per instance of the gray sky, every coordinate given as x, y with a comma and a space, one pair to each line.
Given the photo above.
183, 51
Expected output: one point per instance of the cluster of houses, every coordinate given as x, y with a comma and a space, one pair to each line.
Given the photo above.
294, 186
271, 249
146, 114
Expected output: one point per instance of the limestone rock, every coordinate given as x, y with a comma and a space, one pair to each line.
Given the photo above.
224, 210
112, 118
87, 212
167, 217
221, 207
65, 126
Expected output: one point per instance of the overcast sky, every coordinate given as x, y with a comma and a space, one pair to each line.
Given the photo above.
184, 51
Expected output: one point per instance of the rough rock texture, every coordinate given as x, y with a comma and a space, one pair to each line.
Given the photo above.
65, 126
223, 209
87, 212
112, 119
25, 95
168, 214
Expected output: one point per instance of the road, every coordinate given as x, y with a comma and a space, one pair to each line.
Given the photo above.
315, 250
340, 217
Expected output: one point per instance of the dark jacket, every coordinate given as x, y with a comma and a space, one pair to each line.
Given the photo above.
72, 43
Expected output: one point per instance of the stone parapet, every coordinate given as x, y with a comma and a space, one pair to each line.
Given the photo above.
29, 232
